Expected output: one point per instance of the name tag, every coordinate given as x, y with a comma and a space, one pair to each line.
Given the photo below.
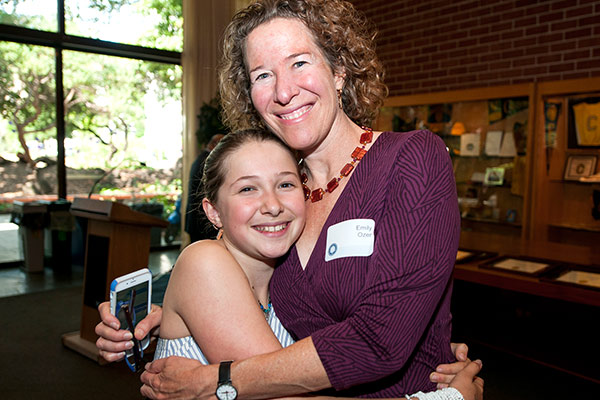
352, 238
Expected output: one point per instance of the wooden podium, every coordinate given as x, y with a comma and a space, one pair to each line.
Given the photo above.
117, 241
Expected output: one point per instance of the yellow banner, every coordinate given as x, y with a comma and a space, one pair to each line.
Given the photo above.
587, 123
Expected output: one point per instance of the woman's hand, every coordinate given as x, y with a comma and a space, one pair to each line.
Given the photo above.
179, 378
113, 341
444, 373
468, 383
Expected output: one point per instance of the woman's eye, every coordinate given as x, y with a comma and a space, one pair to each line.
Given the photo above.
264, 75
298, 64
246, 189
287, 185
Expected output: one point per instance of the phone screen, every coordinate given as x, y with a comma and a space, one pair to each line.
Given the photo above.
139, 294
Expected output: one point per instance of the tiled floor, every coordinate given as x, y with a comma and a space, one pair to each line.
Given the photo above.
14, 280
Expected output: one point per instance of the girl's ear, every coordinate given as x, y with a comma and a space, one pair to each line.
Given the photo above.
211, 213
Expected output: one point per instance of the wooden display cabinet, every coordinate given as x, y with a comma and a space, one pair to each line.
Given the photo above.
563, 210
501, 206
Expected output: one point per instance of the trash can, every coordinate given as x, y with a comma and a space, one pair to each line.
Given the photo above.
31, 220
156, 210
59, 227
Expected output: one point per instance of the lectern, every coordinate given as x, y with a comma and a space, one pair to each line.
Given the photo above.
117, 242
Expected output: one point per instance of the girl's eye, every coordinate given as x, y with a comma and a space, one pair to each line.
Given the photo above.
246, 189
287, 185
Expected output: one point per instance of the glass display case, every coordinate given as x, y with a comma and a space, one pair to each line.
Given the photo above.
487, 133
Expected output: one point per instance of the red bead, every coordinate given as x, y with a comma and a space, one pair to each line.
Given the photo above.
366, 137
332, 185
347, 169
303, 178
358, 153
316, 195
306, 191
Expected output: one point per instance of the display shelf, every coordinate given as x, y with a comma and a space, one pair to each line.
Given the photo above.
493, 173
563, 211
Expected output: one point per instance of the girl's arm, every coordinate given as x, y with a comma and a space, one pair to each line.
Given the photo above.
209, 297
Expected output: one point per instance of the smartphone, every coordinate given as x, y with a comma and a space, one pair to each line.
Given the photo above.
130, 302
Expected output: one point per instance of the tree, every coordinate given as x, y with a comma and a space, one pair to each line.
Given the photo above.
103, 96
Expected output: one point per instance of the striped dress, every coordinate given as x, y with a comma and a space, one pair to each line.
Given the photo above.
188, 348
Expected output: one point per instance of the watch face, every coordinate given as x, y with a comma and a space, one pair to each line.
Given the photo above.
226, 392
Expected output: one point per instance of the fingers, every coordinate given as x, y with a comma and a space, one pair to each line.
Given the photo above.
472, 369
150, 322
460, 351
106, 316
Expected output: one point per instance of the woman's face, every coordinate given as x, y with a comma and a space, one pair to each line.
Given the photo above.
292, 86
260, 204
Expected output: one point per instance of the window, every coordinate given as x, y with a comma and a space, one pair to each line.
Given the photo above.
116, 130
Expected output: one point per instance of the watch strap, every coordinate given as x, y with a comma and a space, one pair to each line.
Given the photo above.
225, 372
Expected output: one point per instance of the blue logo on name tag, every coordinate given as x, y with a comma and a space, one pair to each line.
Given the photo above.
332, 249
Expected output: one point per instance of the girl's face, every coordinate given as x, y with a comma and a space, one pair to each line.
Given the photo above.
260, 205
292, 86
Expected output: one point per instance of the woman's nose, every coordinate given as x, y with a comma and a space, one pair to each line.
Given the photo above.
285, 88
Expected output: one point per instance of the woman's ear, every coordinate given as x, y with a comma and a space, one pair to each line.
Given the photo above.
339, 78
211, 213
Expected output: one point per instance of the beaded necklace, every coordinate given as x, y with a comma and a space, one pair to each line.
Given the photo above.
267, 310
359, 152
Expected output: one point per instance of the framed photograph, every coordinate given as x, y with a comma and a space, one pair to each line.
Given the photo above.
580, 166
576, 275
494, 176
520, 265
465, 255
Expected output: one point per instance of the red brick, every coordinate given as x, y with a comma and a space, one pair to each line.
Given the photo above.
431, 66
553, 37
527, 21
467, 43
562, 4
564, 25
457, 71
479, 50
514, 34
488, 76
504, 26
489, 38
555, 16
576, 75
563, 46
539, 70
511, 73
588, 42
512, 15
478, 68
576, 55
512, 54
530, 41
524, 62
549, 59
536, 30
577, 12
479, 31
578, 33
590, 64
594, 20
537, 10
448, 81
422, 59
490, 57
562, 67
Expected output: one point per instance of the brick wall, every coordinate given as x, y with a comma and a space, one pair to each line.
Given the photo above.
439, 45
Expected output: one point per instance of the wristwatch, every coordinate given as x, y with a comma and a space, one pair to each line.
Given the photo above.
225, 389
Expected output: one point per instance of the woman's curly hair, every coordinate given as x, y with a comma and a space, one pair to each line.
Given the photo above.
342, 33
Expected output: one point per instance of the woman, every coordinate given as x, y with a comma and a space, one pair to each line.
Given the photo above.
371, 310
260, 216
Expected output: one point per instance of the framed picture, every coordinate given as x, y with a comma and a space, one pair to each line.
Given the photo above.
580, 166
520, 265
494, 176
576, 275
465, 255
